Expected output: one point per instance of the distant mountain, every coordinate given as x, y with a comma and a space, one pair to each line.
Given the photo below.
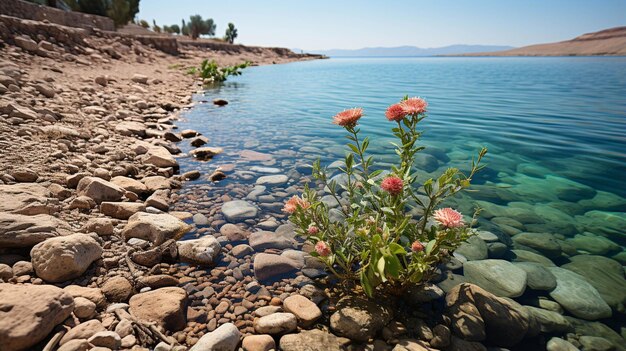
610, 41
408, 51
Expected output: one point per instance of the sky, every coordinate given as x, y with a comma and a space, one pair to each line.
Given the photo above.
354, 24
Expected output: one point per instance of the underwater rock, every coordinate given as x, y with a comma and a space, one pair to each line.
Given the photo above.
593, 244
499, 277
238, 210
545, 243
577, 296
529, 256
359, 319
539, 277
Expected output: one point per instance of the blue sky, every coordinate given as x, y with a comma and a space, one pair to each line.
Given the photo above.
353, 24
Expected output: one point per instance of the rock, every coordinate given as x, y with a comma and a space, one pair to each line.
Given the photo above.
19, 231
158, 281
474, 248
238, 210
412, 345
106, 339
26, 43
595, 245
129, 128
270, 266
130, 184
159, 156
528, 256
155, 183
241, 250
595, 343
304, 309
75, 345
199, 141
189, 133
220, 102
577, 296
26, 199
28, 313
200, 219
359, 319
203, 251
426, 292
139, 78
549, 321
83, 331
94, 295
441, 336
159, 199
100, 226
64, 258
313, 340
261, 342
99, 190
24, 175
156, 228
45, 90
457, 344
82, 203
6, 272
263, 240
165, 306
117, 289
604, 274
233, 232
543, 242
101, 80
478, 315
276, 323
272, 180
83, 308
539, 277
499, 277
121, 210
558, 344
206, 153
224, 338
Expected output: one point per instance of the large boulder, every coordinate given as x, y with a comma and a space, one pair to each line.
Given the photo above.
99, 190
203, 251
27, 199
313, 340
270, 266
156, 228
159, 156
28, 313
130, 184
499, 277
577, 296
239, 210
65, 257
165, 306
224, 338
545, 243
359, 319
479, 315
20, 231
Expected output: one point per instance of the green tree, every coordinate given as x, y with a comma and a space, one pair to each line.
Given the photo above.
144, 24
155, 27
174, 28
198, 26
120, 11
231, 33
184, 29
167, 29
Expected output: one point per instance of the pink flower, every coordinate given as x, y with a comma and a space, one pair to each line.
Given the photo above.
292, 204
393, 185
449, 218
414, 106
348, 118
322, 248
395, 112
313, 230
417, 246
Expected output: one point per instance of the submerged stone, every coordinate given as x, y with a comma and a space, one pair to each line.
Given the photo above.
239, 210
577, 296
499, 277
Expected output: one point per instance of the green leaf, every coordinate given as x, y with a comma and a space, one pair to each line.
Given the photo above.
396, 249
430, 246
393, 266
366, 284
380, 266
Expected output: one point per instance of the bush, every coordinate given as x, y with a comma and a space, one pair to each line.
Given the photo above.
372, 237
210, 72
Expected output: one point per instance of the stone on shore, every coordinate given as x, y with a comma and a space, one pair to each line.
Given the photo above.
262, 342
206, 153
165, 306
130, 184
263, 240
64, 258
28, 313
270, 266
100, 226
117, 289
99, 189
159, 156
121, 210
276, 323
239, 210
277, 179
156, 228
577, 296
304, 309
26, 199
499, 277
359, 319
224, 338
313, 340
20, 231
83, 331
203, 251
92, 294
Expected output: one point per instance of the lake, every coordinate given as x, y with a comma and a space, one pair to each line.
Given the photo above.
555, 129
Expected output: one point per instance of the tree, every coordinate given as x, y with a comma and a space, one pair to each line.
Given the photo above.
155, 27
174, 28
144, 24
167, 29
184, 29
198, 26
231, 33
120, 11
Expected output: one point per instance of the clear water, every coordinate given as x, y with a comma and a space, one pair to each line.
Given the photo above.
555, 129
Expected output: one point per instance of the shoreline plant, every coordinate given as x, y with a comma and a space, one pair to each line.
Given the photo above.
372, 239
211, 72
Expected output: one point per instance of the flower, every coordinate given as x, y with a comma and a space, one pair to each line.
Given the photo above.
449, 218
395, 112
348, 118
414, 106
417, 246
322, 248
292, 204
313, 230
393, 185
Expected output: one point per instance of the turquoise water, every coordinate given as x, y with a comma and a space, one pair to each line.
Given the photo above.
555, 129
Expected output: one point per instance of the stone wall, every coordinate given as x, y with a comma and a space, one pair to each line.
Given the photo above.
31, 11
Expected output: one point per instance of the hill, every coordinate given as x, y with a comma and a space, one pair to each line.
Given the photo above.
408, 51
605, 42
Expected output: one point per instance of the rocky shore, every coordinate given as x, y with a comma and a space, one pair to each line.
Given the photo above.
92, 213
